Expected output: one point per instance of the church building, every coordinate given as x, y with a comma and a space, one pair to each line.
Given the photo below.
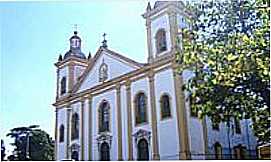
110, 107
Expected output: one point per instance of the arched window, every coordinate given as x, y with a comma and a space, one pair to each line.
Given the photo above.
61, 133
63, 85
103, 72
75, 126
104, 117
142, 150
75, 155
140, 108
161, 41
165, 106
218, 151
105, 152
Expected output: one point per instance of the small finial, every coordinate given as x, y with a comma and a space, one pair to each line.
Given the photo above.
60, 58
89, 55
104, 42
149, 7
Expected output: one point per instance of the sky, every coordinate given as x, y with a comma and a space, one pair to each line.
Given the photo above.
33, 34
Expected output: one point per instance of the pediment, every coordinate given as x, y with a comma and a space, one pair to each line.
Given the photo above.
104, 66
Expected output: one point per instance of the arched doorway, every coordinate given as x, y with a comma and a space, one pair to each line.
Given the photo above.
142, 150
105, 152
75, 155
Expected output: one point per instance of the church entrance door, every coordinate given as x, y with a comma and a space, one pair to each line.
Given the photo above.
105, 154
142, 150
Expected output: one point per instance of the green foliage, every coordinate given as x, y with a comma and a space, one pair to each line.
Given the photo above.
41, 145
228, 49
3, 149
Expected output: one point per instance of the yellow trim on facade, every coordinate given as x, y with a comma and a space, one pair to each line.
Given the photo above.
184, 144
129, 120
90, 128
119, 120
68, 133
56, 134
82, 130
155, 143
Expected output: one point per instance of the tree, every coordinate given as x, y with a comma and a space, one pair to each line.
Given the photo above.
227, 48
3, 149
31, 144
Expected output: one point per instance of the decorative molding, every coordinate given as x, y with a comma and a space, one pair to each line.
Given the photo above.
140, 134
104, 137
155, 144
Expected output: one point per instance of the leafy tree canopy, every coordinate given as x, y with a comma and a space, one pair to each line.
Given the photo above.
40, 147
227, 46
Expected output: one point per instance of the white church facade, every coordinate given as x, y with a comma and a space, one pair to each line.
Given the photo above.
109, 107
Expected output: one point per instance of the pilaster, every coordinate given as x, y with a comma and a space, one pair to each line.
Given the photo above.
82, 140
118, 101
155, 143
129, 120
68, 132
56, 135
90, 127
184, 144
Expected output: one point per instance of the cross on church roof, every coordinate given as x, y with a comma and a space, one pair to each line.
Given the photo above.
104, 42
104, 36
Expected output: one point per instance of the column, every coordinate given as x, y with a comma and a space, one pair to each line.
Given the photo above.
68, 132
129, 120
82, 140
184, 145
56, 135
90, 128
155, 145
118, 101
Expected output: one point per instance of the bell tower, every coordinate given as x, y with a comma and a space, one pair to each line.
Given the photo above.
163, 23
70, 67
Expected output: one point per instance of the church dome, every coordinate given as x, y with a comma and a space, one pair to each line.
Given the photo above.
78, 54
75, 47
